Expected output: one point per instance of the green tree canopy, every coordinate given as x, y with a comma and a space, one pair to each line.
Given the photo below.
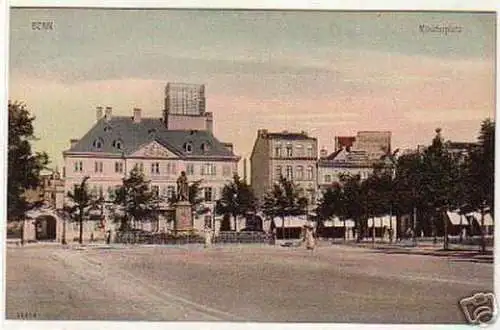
237, 199
136, 198
24, 166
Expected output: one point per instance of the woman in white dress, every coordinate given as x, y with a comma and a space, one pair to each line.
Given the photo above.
309, 236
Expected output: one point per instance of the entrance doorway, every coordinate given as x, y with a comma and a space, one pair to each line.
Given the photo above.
46, 228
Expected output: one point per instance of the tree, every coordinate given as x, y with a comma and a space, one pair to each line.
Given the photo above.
332, 203
81, 202
24, 166
355, 202
136, 198
237, 199
285, 199
478, 176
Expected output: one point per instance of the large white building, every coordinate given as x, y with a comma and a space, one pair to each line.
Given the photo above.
116, 144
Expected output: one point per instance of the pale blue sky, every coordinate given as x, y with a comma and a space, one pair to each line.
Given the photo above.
329, 73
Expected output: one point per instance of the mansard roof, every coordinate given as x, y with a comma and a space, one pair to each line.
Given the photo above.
121, 135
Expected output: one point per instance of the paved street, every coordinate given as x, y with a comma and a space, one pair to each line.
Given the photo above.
251, 283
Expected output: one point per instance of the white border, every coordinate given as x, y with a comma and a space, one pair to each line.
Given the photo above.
422, 5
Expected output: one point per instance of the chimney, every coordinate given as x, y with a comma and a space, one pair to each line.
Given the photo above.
73, 142
98, 113
262, 132
209, 121
108, 113
137, 115
323, 152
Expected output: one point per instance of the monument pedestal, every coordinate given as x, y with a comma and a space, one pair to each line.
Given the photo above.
183, 216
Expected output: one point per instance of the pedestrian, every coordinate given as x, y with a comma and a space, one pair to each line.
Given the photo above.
108, 237
309, 238
208, 237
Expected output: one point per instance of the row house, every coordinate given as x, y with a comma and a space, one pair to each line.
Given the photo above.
288, 154
342, 162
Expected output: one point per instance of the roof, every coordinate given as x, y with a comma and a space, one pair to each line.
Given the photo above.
289, 136
133, 136
460, 145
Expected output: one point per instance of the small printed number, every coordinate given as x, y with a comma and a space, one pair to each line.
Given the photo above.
26, 315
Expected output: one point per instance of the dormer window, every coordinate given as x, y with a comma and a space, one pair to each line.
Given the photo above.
98, 143
205, 146
107, 129
188, 147
117, 144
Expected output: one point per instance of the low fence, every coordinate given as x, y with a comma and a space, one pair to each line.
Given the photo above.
156, 238
141, 237
243, 237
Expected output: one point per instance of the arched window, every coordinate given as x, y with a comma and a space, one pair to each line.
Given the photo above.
188, 147
118, 144
98, 143
205, 146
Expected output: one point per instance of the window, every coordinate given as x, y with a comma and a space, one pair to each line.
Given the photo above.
310, 173
328, 178
277, 151
111, 193
310, 151
226, 170
188, 147
101, 191
107, 129
98, 167
208, 169
98, 143
300, 172
139, 167
171, 168
155, 190
155, 168
118, 167
117, 144
78, 166
205, 146
299, 150
289, 150
278, 172
208, 193
75, 187
170, 191
289, 172
190, 169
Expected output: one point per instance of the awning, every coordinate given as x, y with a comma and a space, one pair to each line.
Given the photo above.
336, 222
297, 221
456, 219
384, 221
488, 219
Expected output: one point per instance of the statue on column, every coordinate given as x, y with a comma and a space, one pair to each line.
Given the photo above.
182, 187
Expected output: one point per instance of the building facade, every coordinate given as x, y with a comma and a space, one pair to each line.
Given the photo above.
116, 144
292, 155
342, 162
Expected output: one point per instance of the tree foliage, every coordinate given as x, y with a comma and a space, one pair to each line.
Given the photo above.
136, 198
24, 165
285, 199
81, 202
237, 199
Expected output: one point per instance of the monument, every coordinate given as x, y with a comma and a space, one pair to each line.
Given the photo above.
183, 211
